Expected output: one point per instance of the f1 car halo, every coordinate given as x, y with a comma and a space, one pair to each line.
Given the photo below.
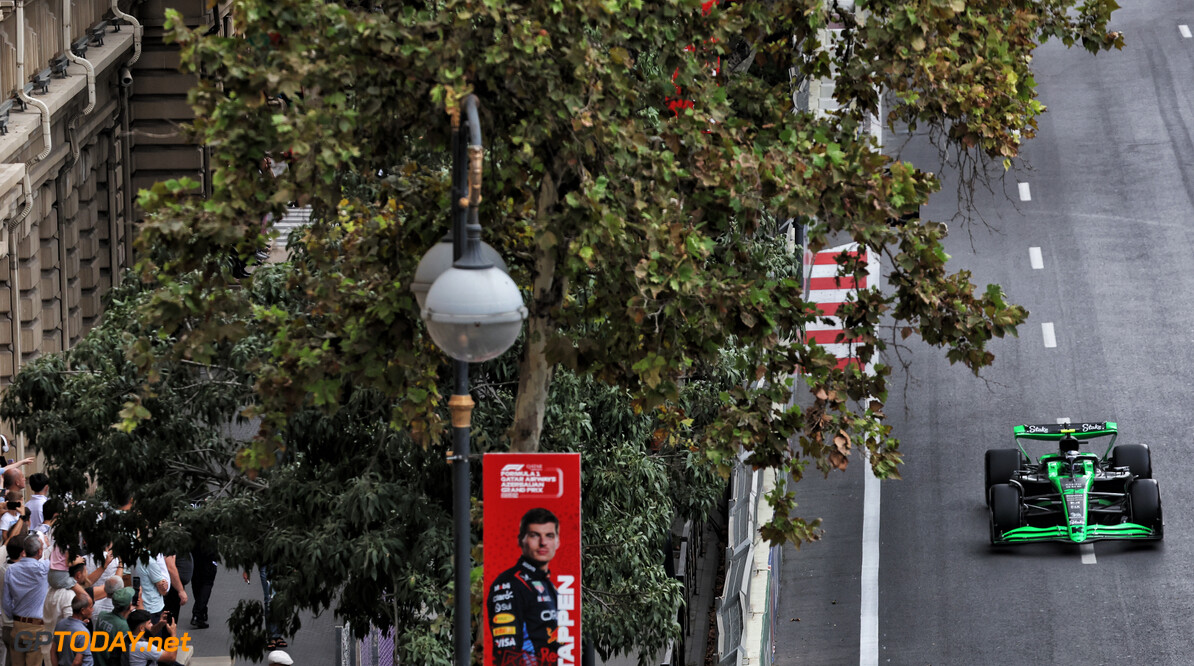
1070, 495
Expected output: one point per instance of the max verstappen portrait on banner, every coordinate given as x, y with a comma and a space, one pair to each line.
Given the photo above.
532, 559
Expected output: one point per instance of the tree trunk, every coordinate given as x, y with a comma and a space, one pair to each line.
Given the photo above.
534, 371
534, 379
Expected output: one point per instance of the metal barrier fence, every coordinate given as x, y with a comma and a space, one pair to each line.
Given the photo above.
346, 654
746, 609
775, 559
376, 649
734, 603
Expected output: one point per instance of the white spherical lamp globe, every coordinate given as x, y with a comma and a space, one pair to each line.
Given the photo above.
474, 314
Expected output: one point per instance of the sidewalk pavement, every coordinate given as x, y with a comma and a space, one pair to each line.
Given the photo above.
701, 605
314, 645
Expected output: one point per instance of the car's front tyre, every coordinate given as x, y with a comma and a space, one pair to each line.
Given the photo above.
1004, 500
1001, 467
1145, 498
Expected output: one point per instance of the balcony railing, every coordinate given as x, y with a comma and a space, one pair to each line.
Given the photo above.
43, 35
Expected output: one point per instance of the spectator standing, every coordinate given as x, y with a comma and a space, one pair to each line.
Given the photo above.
155, 583
114, 622
13, 509
76, 649
40, 485
267, 591
180, 568
59, 603
112, 585
45, 530
14, 478
202, 581
15, 551
25, 588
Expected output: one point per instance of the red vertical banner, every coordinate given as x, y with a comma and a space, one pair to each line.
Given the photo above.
532, 559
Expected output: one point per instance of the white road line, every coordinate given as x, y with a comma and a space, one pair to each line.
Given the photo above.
1047, 332
1035, 258
1064, 419
1185, 30
868, 644
868, 649
1025, 193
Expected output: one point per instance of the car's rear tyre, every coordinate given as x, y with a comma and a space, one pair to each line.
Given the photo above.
1004, 500
1135, 457
1002, 465
1145, 496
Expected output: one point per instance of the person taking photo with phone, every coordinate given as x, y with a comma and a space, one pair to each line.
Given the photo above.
143, 654
11, 518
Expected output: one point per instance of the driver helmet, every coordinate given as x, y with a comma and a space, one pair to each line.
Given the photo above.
1067, 443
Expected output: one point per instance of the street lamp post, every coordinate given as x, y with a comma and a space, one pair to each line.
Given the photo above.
473, 312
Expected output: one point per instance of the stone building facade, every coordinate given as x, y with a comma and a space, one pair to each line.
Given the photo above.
79, 135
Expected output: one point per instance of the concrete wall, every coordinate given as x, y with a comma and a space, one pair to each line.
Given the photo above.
158, 102
67, 215
64, 234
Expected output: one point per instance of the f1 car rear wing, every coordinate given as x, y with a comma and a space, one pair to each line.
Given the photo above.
1055, 431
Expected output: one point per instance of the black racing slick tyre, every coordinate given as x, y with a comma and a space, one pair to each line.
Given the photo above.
1135, 457
1002, 465
1145, 496
1005, 509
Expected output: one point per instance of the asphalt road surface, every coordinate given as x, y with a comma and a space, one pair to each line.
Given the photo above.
1094, 236
314, 645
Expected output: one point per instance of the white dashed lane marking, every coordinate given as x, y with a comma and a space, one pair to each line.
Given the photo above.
1185, 30
1047, 332
1034, 257
1025, 192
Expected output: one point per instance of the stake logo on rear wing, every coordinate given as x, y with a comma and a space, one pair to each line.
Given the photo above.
1059, 430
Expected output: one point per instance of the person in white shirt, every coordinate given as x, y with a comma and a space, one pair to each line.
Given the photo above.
155, 583
12, 514
40, 485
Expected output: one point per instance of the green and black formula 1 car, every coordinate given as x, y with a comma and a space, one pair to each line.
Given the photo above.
1071, 495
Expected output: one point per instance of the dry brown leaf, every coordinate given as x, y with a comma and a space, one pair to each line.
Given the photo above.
838, 460
842, 441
